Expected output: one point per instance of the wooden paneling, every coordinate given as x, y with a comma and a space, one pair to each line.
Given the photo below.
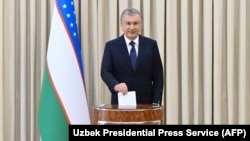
141, 114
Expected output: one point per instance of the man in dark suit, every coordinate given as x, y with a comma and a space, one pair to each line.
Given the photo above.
117, 71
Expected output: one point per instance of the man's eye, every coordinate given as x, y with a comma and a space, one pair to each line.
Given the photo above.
128, 23
135, 23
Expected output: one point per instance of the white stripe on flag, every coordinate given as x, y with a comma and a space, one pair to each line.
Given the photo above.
66, 74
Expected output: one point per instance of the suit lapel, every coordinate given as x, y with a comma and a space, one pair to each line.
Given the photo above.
141, 50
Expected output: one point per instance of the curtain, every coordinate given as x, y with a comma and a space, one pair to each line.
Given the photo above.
204, 45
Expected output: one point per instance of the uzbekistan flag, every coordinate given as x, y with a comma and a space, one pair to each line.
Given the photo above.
63, 99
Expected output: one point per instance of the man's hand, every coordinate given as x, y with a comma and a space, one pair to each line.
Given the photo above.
121, 87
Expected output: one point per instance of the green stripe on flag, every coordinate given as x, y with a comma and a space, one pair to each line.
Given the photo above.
51, 119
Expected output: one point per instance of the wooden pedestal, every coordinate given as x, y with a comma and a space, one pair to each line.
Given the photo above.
140, 114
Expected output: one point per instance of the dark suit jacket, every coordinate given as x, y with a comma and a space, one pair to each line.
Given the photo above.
146, 80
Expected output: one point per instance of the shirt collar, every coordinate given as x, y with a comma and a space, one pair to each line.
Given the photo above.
136, 40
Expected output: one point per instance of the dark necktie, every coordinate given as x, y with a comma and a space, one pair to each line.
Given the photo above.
133, 54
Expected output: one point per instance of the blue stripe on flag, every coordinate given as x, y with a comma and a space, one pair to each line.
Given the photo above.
67, 12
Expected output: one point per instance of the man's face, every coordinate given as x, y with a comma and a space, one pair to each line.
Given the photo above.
131, 26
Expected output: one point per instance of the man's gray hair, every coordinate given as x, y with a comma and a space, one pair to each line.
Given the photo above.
130, 12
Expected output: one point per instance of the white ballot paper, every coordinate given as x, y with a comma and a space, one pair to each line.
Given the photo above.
128, 100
